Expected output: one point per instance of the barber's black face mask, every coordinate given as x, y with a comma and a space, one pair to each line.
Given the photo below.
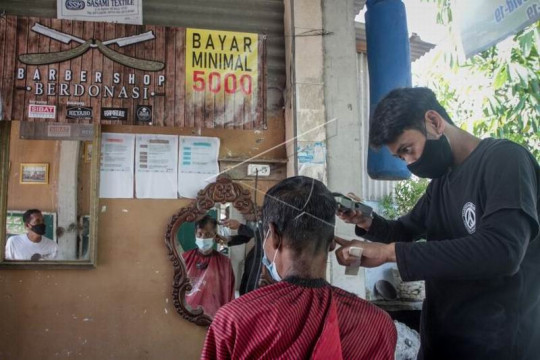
39, 229
435, 159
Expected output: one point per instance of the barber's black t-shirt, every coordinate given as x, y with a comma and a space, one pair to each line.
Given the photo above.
481, 261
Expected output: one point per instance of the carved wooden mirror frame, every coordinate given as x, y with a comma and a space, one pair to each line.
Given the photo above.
223, 190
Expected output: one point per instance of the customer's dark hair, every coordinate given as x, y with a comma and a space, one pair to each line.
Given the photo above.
400, 110
28, 214
303, 212
205, 220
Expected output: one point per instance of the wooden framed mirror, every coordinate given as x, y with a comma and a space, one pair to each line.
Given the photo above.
194, 268
57, 177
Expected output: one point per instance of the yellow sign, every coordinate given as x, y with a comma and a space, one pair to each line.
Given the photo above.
221, 62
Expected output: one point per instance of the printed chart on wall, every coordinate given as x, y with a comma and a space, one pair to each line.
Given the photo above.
198, 164
156, 167
117, 158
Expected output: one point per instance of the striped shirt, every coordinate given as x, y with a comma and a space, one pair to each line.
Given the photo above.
285, 320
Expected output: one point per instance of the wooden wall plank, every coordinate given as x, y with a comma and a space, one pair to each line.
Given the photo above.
20, 84
129, 50
108, 66
55, 46
3, 60
64, 66
149, 53
159, 98
170, 66
86, 64
181, 109
120, 31
76, 64
9, 66
97, 64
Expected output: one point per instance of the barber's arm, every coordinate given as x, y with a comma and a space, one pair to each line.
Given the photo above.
496, 249
407, 228
244, 233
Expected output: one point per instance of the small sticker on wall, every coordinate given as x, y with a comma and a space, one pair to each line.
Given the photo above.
79, 113
144, 113
114, 114
42, 111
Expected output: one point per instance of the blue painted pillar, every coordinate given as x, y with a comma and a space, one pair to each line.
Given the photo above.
389, 68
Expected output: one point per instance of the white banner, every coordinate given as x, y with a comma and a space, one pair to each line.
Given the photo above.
483, 23
198, 164
156, 167
116, 172
116, 11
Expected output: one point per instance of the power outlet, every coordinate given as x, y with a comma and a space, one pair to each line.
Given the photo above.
263, 170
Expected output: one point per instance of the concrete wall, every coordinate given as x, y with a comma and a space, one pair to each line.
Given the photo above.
344, 136
305, 108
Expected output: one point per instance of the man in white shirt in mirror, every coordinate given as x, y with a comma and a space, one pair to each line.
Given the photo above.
32, 246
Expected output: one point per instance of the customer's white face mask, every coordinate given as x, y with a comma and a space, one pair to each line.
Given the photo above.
205, 245
270, 266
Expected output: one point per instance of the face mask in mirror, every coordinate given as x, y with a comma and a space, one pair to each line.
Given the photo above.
39, 229
204, 244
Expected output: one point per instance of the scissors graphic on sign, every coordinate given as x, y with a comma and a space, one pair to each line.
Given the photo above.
54, 57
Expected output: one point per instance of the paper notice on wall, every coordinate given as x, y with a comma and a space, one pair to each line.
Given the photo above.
198, 164
156, 167
116, 11
116, 172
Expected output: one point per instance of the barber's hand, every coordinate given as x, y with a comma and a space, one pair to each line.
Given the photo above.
231, 224
221, 239
373, 254
355, 216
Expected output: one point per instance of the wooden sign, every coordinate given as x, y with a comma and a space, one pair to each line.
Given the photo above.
83, 72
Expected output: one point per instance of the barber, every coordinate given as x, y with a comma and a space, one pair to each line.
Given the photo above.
479, 215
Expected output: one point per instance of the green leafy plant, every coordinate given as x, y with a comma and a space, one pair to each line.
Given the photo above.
495, 93
402, 200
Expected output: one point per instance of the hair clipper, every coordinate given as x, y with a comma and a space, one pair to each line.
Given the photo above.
346, 204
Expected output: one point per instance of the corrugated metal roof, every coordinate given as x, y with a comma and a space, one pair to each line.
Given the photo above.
372, 190
418, 47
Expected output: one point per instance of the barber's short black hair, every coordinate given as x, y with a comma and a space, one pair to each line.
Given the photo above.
400, 110
28, 214
303, 212
205, 220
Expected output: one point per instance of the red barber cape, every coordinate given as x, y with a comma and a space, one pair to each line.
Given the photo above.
212, 279
300, 319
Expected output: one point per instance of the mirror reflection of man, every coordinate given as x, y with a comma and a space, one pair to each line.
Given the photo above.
210, 272
235, 233
33, 245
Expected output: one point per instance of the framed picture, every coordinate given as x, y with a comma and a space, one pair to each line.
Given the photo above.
87, 152
37, 173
